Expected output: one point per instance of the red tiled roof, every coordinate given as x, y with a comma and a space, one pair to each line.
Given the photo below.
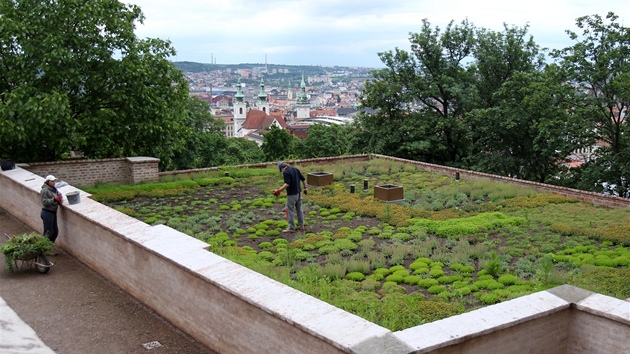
257, 119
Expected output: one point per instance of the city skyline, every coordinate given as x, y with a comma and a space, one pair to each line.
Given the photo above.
350, 33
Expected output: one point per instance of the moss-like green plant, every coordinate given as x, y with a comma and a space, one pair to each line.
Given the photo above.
427, 282
415, 265
396, 268
266, 255
355, 276
396, 278
467, 226
436, 289
327, 249
489, 298
264, 245
345, 244
508, 279
436, 272
448, 279
411, 279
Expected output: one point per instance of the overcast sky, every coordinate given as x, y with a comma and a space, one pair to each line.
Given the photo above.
345, 33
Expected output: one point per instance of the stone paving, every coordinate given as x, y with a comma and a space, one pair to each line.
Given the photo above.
74, 310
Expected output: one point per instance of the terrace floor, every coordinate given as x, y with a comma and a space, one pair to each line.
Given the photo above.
75, 310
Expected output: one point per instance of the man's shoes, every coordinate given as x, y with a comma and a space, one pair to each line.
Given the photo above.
301, 228
288, 231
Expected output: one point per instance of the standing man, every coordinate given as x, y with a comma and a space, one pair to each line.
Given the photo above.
51, 199
292, 178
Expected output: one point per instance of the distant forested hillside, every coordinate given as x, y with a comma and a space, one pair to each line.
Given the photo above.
311, 70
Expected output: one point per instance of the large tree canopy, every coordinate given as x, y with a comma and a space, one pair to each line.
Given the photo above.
599, 64
74, 77
432, 75
532, 128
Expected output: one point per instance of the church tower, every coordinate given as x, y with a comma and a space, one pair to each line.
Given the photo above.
240, 110
262, 103
303, 105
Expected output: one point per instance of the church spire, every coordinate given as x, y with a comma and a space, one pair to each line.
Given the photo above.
303, 109
302, 97
262, 96
239, 92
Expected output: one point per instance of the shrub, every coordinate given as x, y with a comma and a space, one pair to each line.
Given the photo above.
493, 266
345, 244
411, 279
382, 271
334, 271
272, 233
431, 311
301, 255
463, 291
447, 279
421, 271
150, 220
359, 266
396, 278
392, 288
356, 276
415, 265
436, 272
436, 289
264, 245
375, 277
370, 284
266, 255
396, 268
508, 279
327, 249
490, 284
427, 283
489, 298
355, 236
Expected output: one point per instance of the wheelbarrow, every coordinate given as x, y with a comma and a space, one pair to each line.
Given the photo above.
38, 261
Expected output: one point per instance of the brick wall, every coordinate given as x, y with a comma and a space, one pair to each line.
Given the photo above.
128, 170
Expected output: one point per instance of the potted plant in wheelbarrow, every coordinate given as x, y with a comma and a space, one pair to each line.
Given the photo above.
27, 250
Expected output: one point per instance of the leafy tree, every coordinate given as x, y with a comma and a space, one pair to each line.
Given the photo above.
432, 75
598, 64
326, 141
206, 143
242, 151
74, 77
499, 55
531, 129
279, 144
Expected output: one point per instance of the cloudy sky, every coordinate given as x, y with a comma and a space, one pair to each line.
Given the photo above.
345, 33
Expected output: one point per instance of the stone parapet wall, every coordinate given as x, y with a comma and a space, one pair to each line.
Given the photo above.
130, 170
304, 162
